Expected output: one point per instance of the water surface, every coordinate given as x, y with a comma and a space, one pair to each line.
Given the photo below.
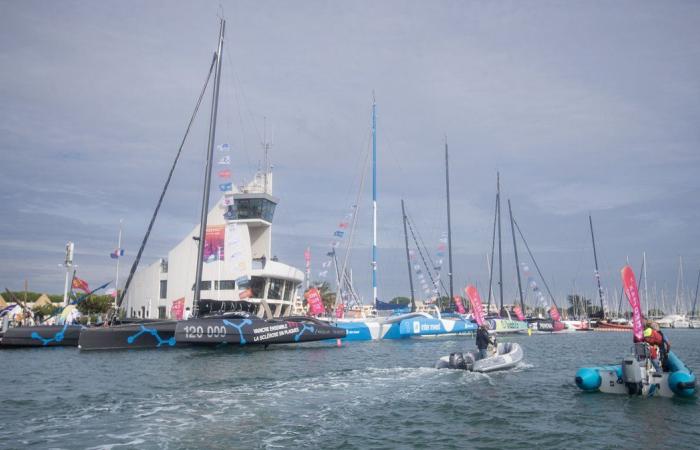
363, 395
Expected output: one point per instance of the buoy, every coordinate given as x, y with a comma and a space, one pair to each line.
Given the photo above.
340, 344
529, 331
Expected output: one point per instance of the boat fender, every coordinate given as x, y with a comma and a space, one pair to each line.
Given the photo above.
457, 361
588, 379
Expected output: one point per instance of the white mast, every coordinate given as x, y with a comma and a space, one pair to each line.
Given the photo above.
374, 201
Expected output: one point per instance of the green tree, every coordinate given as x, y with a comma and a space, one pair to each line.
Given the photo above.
95, 304
405, 301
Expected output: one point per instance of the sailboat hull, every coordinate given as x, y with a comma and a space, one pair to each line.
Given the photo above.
154, 335
251, 330
42, 336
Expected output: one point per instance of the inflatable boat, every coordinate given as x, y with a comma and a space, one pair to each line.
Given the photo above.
507, 356
636, 376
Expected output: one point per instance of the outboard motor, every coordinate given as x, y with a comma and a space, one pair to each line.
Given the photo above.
632, 368
457, 361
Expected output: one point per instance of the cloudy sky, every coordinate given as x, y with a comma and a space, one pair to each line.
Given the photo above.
582, 107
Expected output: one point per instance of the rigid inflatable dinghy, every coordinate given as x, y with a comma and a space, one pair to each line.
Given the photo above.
637, 376
508, 355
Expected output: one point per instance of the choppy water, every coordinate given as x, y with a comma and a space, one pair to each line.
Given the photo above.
363, 395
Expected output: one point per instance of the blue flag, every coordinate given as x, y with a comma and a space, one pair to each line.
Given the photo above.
225, 187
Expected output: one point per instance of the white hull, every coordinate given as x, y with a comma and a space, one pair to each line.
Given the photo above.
507, 356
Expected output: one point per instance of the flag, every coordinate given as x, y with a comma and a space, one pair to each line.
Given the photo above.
111, 292
225, 173
117, 253
629, 283
475, 300
339, 233
224, 147
225, 187
225, 161
80, 284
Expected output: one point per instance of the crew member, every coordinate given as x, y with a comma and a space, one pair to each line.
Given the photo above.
655, 341
665, 346
482, 340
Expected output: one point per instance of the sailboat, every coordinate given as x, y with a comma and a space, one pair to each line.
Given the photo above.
603, 324
213, 323
502, 321
40, 335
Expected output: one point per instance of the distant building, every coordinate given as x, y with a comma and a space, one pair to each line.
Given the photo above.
241, 264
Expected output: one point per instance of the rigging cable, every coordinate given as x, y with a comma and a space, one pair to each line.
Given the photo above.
165, 187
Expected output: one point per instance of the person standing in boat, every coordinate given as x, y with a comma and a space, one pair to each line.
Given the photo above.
483, 340
655, 341
665, 346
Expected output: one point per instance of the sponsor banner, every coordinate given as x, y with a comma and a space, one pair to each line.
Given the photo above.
177, 309
340, 311
554, 313
214, 243
475, 300
629, 283
313, 298
518, 312
459, 306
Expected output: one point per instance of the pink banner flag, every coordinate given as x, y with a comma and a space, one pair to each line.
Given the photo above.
475, 300
340, 311
225, 173
313, 298
629, 283
554, 313
177, 309
518, 312
459, 305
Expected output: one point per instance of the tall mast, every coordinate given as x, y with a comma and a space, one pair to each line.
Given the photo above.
695, 302
116, 275
500, 255
207, 171
408, 258
597, 273
646, 292
374, 200
449, 222
517, 262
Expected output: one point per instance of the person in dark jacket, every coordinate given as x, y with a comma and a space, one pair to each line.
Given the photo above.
482, 340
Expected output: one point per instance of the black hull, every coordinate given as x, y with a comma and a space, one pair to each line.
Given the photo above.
252, 330
42, 336
153, 334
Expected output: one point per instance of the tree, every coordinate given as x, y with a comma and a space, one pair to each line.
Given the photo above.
44, 311
95, 304
405, 301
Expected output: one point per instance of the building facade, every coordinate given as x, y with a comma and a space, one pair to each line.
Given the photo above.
239, 263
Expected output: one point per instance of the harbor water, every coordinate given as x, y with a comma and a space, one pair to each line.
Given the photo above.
361, 395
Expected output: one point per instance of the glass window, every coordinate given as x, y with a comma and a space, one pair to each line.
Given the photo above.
288, 289
257, 286
161, 312
274, 292
204, 286
225, 285
254, 208
163, 288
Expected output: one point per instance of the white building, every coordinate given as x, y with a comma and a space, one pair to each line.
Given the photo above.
239, 239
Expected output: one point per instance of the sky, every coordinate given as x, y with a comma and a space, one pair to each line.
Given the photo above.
583, 107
